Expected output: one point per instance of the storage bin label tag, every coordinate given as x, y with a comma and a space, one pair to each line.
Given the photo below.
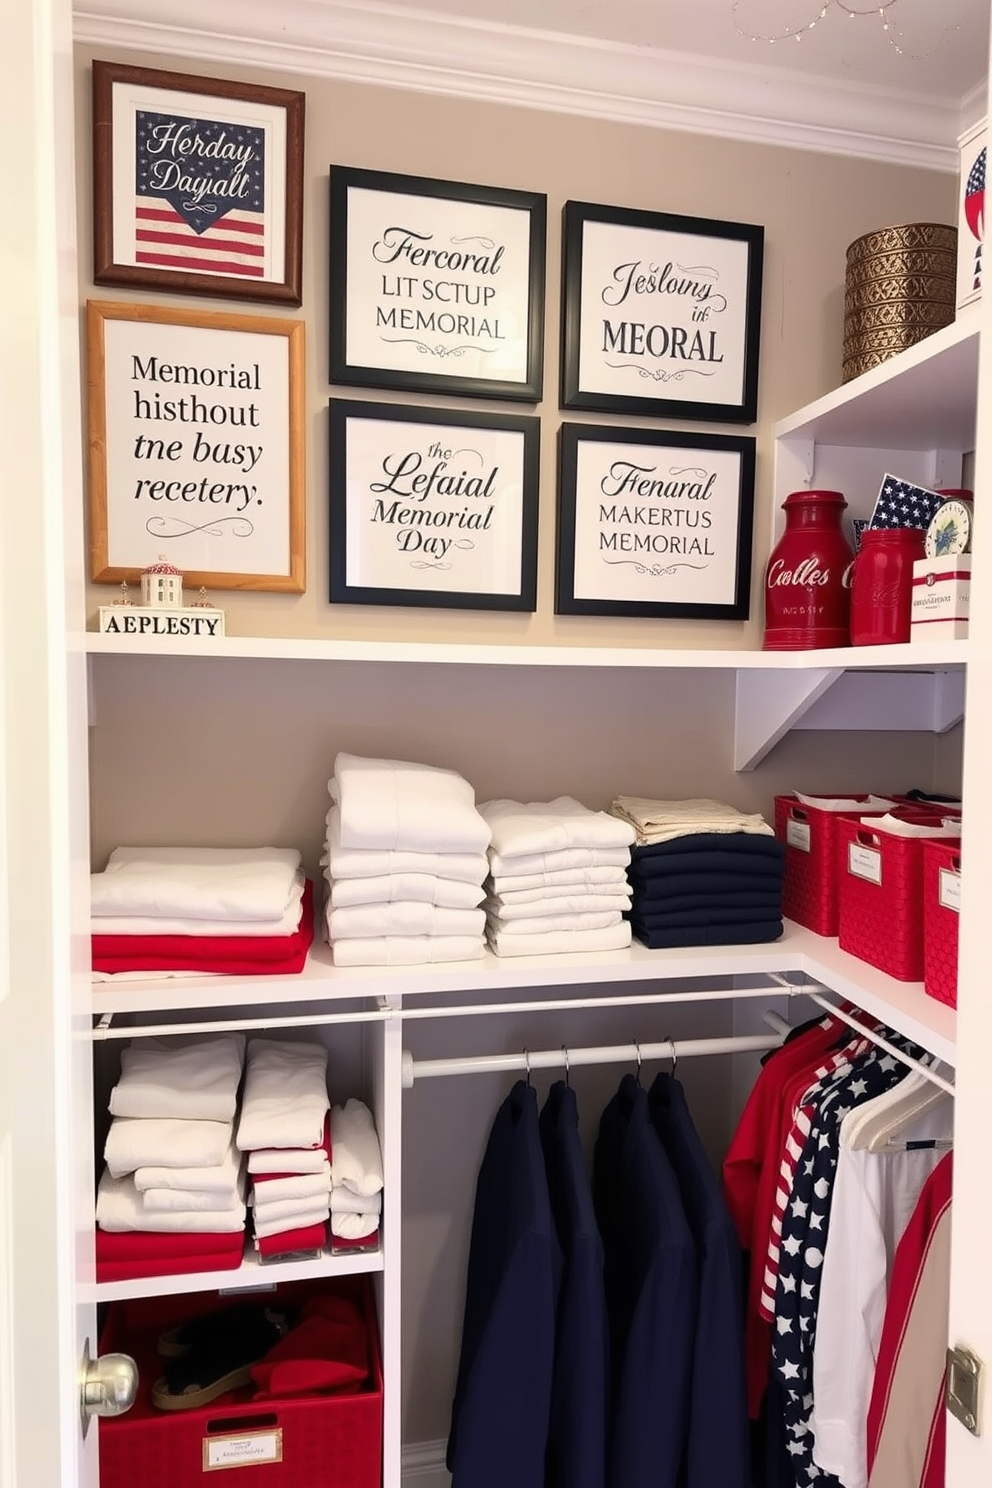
797, 835
950, 890
864, 862
247, 1447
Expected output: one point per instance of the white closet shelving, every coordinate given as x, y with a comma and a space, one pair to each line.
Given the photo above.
917, 415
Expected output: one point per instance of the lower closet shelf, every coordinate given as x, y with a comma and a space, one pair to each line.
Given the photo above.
249, 1275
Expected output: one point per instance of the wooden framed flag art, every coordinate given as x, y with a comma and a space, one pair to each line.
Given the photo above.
197, 185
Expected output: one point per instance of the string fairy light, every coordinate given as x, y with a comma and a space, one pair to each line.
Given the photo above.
893, 35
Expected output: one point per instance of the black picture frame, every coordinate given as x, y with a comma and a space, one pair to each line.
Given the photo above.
384, 440
658, 510
489, 312
631, 260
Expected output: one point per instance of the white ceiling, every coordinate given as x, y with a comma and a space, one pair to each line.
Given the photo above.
664, 63
950, 37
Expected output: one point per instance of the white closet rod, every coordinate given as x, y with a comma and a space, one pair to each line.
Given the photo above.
565, 1058
108, 1029
883, 1043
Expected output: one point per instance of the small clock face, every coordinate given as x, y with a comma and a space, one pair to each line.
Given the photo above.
950, 530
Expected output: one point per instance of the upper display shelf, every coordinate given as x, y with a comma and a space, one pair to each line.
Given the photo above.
924, 657
924, 398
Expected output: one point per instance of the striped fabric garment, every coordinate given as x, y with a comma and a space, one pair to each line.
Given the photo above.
907, 1421
791, 1153
164, 239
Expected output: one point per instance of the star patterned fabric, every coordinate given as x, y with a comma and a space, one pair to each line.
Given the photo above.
804, 1238
901, 504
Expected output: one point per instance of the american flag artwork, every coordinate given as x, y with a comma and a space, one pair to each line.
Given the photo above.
974, 211
199, 195
901, 504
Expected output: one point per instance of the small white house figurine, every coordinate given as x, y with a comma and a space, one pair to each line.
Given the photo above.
162, 586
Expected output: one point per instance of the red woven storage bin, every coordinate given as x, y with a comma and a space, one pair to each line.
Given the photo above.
941, 891
881, 897
331, 1440
809, 886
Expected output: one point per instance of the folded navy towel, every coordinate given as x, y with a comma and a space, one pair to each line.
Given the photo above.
705, 885
742, 844
712, 860
667, 894
688, 919
656, 940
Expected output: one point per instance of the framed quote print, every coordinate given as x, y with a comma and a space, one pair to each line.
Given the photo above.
654, 523
196, 446
661, 314
197, 185
433, 507
436, 286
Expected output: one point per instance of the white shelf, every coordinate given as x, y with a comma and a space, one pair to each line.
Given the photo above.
924, 398
904, 1006
925, 656
249, 1275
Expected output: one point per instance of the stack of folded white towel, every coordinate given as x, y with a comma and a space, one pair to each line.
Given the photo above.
356, 1177
200, 909
557, 878
405, 864
283, 1129
171, 1162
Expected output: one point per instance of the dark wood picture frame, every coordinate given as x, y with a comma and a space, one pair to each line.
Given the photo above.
144, 234
648, 292
402, 475
638, 494
452, 331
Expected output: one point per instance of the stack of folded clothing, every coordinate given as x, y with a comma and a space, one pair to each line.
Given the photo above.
702, 874
405, 863
171, 1199
557, 878
240, 911
283, 1128
356, 1178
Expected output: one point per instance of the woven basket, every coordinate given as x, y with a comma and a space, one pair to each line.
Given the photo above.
900, 287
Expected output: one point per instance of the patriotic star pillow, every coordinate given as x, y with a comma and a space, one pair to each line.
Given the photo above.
901, 504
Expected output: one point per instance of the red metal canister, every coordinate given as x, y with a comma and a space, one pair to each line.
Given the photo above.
807, 598
882, 585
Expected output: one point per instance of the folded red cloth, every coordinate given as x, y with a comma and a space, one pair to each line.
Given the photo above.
142, 1253
139, 1245
286, 1152
238, 955
327, 1350
311, 1237
367, 1242
176, 1266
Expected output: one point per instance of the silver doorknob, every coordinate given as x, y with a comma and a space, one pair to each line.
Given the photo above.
109, 1384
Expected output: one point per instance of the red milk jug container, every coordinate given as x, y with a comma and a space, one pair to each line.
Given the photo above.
882, 585
807, 598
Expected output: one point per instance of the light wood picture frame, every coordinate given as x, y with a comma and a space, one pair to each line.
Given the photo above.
196, 446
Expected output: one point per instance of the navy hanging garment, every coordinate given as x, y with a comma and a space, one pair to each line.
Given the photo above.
718, 1446
499, 1418
651, 1294
577, 1438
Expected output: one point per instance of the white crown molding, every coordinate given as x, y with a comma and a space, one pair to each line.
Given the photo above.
402, 48
974, 107
423, 1465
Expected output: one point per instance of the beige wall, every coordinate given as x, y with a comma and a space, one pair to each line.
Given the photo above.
811, 207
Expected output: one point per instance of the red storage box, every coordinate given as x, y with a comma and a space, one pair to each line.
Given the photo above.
809, 887
331, 1440
881, 896
941, 901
